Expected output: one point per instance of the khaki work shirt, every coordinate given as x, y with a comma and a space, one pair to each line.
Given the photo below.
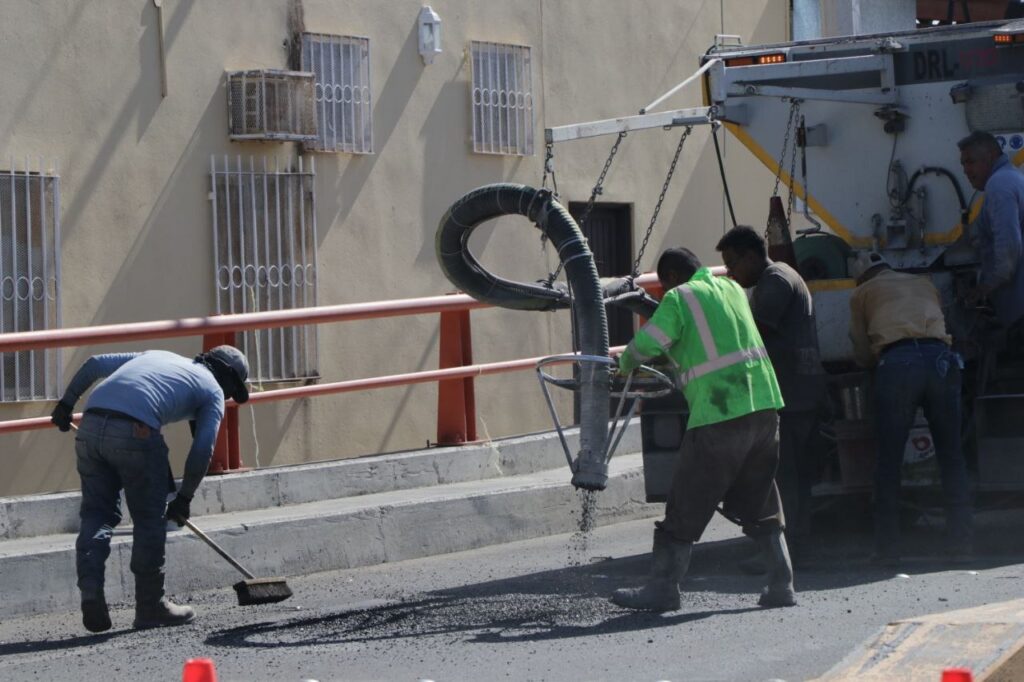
890, 307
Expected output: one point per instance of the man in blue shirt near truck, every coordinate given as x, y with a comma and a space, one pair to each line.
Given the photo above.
119, 445
998, 231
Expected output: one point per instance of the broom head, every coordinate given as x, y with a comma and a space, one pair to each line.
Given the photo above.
262, 591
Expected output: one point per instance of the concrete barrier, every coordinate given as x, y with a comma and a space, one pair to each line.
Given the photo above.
444, 513
35, 515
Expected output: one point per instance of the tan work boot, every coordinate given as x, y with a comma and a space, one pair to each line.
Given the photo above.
669, 562
162, 613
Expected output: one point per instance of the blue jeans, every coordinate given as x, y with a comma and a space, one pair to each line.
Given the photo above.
115, 453
922, 374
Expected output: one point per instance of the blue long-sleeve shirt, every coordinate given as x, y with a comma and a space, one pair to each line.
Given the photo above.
157, 388
1000, 242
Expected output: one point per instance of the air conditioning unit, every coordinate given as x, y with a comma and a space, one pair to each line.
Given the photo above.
271, 104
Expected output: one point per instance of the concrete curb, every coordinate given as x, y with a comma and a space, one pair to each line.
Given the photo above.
36, 515
39, 572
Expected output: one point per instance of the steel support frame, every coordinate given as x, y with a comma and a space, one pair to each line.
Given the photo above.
746, 81
661, 119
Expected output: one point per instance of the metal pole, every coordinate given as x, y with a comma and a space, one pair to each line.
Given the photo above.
697, 74
160, 46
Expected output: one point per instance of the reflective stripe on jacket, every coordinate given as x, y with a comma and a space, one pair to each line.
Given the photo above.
705, 326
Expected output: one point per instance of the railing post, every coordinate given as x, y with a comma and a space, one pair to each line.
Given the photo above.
225, 451
456, 398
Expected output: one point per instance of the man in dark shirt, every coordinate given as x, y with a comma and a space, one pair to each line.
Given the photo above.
784, 313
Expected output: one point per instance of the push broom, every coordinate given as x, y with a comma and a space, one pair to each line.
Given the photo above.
250, 591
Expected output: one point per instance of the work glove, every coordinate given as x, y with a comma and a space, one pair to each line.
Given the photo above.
179, 509
61, 415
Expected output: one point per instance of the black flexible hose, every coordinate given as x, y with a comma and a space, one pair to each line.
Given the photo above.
938, 170
590, 470
721, 170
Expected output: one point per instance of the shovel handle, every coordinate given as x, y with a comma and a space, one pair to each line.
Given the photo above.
207, 539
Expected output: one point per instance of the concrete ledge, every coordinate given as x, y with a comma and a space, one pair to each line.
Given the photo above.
39, 572
988, 640
35, 515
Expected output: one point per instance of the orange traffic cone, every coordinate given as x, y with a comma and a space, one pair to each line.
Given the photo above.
957, 675
199, 670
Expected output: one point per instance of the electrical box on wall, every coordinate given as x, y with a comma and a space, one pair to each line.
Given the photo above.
271, 104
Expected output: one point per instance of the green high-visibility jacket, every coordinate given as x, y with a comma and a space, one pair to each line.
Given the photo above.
706, 328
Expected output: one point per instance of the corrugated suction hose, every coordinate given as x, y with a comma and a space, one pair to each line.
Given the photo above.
590, 470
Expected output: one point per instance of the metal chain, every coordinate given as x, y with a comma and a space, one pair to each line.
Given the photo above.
794, 108
549, 169
661, 199
792, 179
594, 193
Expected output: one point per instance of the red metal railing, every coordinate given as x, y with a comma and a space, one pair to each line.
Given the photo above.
456, 405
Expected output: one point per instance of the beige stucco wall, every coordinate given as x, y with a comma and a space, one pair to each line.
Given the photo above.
81, 88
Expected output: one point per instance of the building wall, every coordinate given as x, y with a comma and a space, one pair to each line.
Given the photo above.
81, 89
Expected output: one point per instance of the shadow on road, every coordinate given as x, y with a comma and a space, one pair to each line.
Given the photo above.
550, 605
572, 602
42, 645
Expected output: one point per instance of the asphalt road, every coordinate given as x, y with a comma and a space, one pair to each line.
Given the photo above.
534, 610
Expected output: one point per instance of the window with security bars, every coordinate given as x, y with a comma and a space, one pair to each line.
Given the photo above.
341, 65
265, 255
502, 99
29, 281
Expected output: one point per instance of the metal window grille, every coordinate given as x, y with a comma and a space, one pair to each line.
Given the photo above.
502, 99
29, 279
270, 104
341, 65
265, 246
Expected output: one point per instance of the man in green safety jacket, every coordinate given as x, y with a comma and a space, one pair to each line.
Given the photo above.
731, 446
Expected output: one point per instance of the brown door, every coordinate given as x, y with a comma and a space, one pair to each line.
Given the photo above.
609, 230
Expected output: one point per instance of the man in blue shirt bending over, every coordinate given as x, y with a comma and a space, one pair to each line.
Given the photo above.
998, 230
119, 445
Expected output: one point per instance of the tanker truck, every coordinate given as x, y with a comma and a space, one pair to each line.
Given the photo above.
863, 132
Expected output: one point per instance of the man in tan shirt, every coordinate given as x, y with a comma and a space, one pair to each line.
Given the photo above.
898, 328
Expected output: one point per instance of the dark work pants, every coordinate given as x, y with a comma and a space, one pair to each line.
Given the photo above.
925, 375
797, 469
732, 462
115, 453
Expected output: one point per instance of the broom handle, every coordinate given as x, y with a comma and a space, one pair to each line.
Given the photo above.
207, 539
216, 548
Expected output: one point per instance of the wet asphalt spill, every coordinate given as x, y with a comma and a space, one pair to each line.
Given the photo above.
572, 602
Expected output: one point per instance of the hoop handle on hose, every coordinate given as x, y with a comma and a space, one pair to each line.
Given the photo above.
654, 385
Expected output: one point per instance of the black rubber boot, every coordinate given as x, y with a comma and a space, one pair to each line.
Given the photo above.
669, 562
779, 591
755, 564
95, 614
153, 609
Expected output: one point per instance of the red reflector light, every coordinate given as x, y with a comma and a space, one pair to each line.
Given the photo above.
774, 58
1008, 38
